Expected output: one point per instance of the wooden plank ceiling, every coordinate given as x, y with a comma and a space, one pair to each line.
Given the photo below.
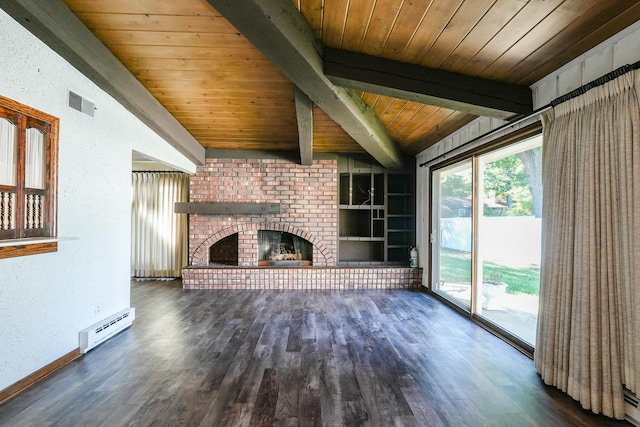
228, 95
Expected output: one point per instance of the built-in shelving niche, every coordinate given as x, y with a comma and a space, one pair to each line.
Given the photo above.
376, 213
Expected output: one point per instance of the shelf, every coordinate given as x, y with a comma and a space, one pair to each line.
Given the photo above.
398, 254
355, 223
227, 208
400, 183
343, 196
361, 188
405, 238
376, 212
361, 251
378, 228
378, 189
396, 207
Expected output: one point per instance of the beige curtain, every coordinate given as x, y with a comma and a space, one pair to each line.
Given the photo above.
589, 320
159, 236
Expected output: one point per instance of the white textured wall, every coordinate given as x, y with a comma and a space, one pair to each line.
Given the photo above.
45, 300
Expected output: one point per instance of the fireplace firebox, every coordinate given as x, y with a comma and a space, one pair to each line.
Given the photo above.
279, 248
225, 251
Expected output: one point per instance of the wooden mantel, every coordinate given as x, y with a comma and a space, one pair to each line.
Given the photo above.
227, 208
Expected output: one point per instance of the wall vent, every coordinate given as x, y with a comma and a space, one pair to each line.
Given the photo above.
631, 408
80, 104
98, 333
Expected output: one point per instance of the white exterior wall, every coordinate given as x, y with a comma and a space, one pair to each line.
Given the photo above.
613, 53
45, 300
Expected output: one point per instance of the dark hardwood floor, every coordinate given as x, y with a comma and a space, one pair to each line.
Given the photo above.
296, 358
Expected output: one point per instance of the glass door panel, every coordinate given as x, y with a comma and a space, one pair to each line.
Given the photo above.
452, 233
509, 237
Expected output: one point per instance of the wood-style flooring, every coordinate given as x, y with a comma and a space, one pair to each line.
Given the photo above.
296, 358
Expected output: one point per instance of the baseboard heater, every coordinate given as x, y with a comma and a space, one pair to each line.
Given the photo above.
100, 332
631, 408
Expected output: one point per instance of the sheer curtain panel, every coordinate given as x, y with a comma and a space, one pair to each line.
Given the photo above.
8, 134
159, 236
588, 325
34, 161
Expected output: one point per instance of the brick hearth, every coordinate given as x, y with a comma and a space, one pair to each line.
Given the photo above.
341, 278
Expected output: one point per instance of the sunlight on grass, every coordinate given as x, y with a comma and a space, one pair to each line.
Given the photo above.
455, 266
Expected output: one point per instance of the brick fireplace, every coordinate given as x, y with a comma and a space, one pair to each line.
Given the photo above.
307, 198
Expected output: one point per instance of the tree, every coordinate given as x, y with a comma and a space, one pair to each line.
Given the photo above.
532, 161
504, 176
516, 178
506, 179
457, 185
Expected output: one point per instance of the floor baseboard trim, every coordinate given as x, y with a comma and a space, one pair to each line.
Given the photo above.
22, 385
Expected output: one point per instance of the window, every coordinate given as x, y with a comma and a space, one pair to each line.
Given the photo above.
486, 233
28, 178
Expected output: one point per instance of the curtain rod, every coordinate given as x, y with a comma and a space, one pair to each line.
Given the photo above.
595, 83
574, 93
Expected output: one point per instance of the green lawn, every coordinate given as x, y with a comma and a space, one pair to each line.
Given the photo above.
455, 266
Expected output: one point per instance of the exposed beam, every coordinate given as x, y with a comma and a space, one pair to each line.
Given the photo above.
282, 34
455, 91
304, 114
54, 23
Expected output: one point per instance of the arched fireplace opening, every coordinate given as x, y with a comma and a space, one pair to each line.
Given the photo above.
225, 251
279, 248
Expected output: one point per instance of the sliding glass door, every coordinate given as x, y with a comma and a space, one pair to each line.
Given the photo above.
452, 209
509, 231
486, 232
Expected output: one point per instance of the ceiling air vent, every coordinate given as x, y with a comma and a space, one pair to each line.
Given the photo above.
80, 104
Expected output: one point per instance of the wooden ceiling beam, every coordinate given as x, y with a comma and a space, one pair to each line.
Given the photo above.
473, 95
54, 24
304, 115
283, 35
